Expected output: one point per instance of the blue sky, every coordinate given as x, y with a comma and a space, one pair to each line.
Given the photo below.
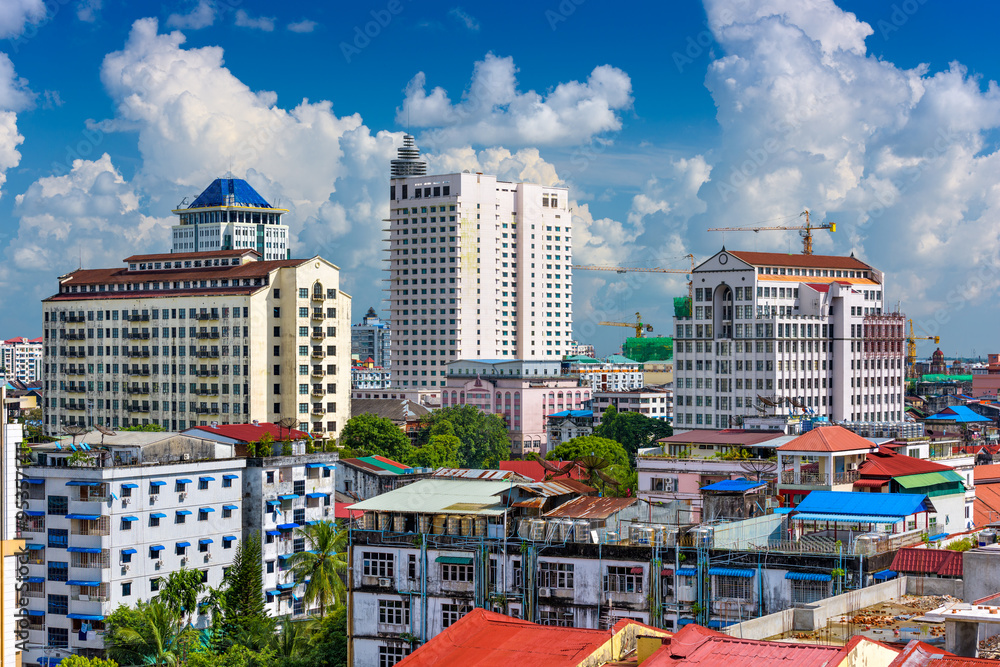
881, 116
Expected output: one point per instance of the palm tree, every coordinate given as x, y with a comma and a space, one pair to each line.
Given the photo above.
292, 638
323, 564
161, 648
180, 591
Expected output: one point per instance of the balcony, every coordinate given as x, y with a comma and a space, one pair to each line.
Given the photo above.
75, 406
819, 478
77, 354
135, 407
205, 392
76, 318
141, 372
76, 370
137, 390
74, 389
206, 317
76, 336
318, 315
317, 390
135, 336
137, 354
211, 373
207, 354
205, 411
317, 372
136, 318
318, 335
318, 410
318, 353
208, 335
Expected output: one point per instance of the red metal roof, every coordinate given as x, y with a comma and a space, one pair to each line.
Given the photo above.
889, 463
485, 639
871, 483
986, 507
695, 645
173, 256
343, 511
919, 654
723, 437
827, 439
253, 432
808, 261
533, 470
920, 560
987, 472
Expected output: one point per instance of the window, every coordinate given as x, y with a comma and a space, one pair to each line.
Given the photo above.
729, 587
807, 592
377, 564
560, 617
126, 557
58, 538
58, 571
154, 584
58, 505
555, 575
58, 604
202, 484
126, 589
623, 580
456, 572
394, 612
227, 482
58, 637
154, 521
391, 654
450, 613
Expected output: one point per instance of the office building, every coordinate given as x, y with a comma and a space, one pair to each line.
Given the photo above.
188, 339
478, 269
780, 334
371, 340
22, 359
616, 373
230, 215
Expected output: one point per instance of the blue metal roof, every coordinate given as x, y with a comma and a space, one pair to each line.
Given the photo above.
719, 623
733, 485
573, 413
959, 414
848, 518
686, 572
731, 572
885, 575
939, 536
858, 503
229, 192
807, 576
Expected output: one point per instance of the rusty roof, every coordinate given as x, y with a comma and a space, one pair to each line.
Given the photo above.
558, 487
696, 645
479, 473
532, 503
591, 507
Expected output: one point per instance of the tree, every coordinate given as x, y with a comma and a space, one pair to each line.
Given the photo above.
322, 564
328, 642
235, 656
371, 434
151, 638
632, 430
441, 451
80, 661
292, 638
263, 447
605, 460
180, 590
242, 598
145, 428
484, 437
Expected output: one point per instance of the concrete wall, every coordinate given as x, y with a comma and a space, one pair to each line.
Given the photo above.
763, 627
935, 586
980, 572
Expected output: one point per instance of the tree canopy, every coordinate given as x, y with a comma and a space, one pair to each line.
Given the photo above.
484, 438
367, 434
598, 454
632, 430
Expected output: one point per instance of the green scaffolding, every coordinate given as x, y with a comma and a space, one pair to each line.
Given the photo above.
659, 348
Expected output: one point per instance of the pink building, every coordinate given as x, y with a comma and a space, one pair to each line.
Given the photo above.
988, 384
522, 392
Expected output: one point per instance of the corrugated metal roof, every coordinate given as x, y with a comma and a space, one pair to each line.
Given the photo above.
930, 479
695, 645
959, 414
808, 576
871, 483
859, 503
479, 473
722, 437
442, 496
916, 560
734, 485
888, 463
849, 518
589, 507
557, 487
533, 503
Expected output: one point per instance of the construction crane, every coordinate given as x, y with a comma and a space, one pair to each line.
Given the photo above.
638, 325
805, 231
634, 269
911, 349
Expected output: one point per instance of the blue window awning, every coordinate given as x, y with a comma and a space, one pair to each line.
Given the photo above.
288, 496
684, 621
273, 503
274, 533
731, 572
77, 482
807, 576
686, 572
130, 518
83, 582
206, 479
130, 485
939, 536
183, 481
36, 612
287, 526
330, 467
129, 551
272, 591
85, 617
157, 483
84, 550
229, 538
287, 586
314, 465
717, 623
84, 517
313, 522
183, 545
34, 512
184, 512
206, 540
35, 547
158, 515
32, 480
316, 495
284, 556
156, 547
230, 507
885, 575
206, 509
230, 477
35, 580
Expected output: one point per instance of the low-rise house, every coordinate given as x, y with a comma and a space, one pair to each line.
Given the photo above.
568, 424
825, 458
404, 413
655, 402
369, 476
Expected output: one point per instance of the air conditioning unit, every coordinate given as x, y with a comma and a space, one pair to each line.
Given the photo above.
158, 564
152, 500
182, 496
544, 592
184, 561
385, 583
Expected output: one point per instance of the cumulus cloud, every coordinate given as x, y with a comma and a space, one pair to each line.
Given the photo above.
264, 23
201, 16
15, 15
493, 111
303, 26
14, 92
464, 18
88, 10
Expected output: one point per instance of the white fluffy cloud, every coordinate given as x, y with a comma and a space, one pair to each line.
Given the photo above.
303, 26
201, 16
494, 112
15, 15
15, 96
263, 23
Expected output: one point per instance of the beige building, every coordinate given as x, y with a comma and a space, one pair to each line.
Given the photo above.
188, 339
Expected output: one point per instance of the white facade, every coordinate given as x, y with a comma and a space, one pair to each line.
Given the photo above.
768, 331
478, 268
22, 359
653, 402
616, 373
189, 339
364, 377
10, 545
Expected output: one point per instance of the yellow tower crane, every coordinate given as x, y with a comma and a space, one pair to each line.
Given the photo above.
804, 230
637, 325
634, 269
911, 349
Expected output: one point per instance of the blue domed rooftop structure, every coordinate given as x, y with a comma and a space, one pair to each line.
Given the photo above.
230, 192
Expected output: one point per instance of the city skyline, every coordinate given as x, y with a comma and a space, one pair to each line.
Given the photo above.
694, 117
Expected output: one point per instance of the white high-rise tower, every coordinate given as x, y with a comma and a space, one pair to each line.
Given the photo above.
478, 269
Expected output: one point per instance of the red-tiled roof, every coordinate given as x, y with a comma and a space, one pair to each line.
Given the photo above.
807, 261
888, 463
534, 471
695, 645
485, 639
172, 256
251, 432
920, 560
722, 437
827, 439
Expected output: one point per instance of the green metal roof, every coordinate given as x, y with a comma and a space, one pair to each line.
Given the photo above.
619, 359
399, 469
441, 496
580, 359
454, 560
954, 481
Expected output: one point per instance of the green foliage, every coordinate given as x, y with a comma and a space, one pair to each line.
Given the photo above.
632, 429
963, 544
735, 454
310, 448
149, 634
242, 599
235, 656
370, 434
443, 427
322, 563
80, 661
286, 448
484, 437
180, 591
145, 428
80, 459
837, 572
595, 449
327, 643
440, 451
263, 447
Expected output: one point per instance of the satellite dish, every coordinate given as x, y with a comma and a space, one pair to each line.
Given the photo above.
105, 430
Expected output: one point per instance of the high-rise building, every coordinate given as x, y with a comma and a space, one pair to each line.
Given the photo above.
230, 215
371, 339
22, 359
778, 334
11, 542
188, 339
478, 269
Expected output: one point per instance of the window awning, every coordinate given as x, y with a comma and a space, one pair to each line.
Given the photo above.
183, 545
36, 612
871, 483
158, 515
939, 536
35, 580
130, 485
287, 526
130, 518
230, 507
284, 556
83, 582
273, 503
206, 509
156, 547
885, 575
32, 480
635, 570
230, 477
84, 550
847, 518
271, 591
206, 540
719, 623
34, 513
314, 465
687, 572
35, 547
454, 560
85, 617
129, 551
317, 495
731, 572
84, 517
77, 482
228, 538
666, 572
288, 496
330, 467
313, 522
184, 512
274, 533
684, 621
286, 586
183, 481
157, 483
206, 479
807, 576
